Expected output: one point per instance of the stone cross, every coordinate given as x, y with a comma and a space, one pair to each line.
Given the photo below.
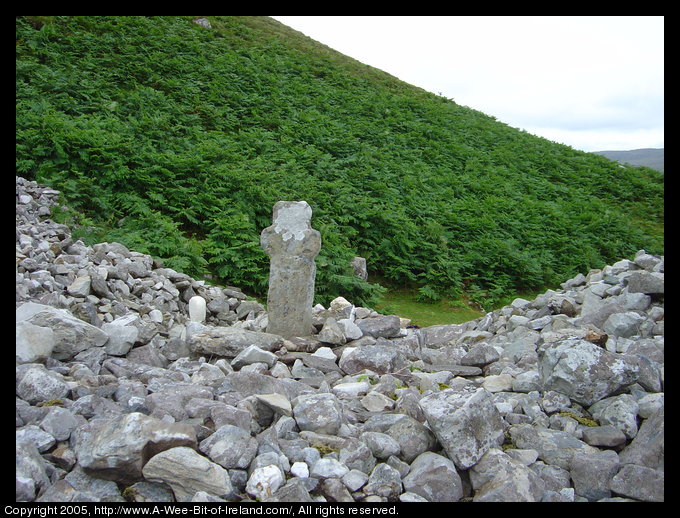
291, 244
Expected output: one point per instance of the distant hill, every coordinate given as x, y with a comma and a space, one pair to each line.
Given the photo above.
648, 157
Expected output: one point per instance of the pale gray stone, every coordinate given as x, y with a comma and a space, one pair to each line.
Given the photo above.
332, 333
197, 307
59, 422
121, 336
34, 435
276, 402
606, 436
354, 479
37, 384
291, 244
623, 324
646, 282
293, 490
382, 446
437, 335
585, 372
72, 335
253, 383
464, 420
383, 326
229, 341
618, 411
639, 482
350, 330
80, 287
171, 399
230, 446
31, 472
253, 354
116, 449
320, 413
480, 354
187, 472
413, 437
434, 478
374, 401
384, 481
335, 491
593, 472
34, 344
328, 467
497, 477
647, 449
378, 358
554, 446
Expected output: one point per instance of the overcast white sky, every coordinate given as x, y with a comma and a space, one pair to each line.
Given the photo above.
593, 83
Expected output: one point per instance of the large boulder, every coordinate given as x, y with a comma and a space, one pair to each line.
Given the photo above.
499, 478
230, 341
434, 477
583, 371
117, 449
320, 413
378, 358
34, 344
230, 446
382, 326
465, 420
188, 472
71, 334
35, 384
554, 447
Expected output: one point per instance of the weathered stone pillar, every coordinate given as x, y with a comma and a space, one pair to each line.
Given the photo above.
291, 244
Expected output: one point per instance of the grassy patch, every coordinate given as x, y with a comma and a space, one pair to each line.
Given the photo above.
445, 311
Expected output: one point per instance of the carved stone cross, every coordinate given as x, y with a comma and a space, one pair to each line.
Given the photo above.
291, 244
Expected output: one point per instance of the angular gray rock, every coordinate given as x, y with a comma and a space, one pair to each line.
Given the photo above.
229, 341
384, 481
583, 371
230, 446
647, 449
554, 447
498, 477
378, 358
320, 413
382, 326
465, 420
117, 449
413, 437
639, 482
435, 478
71, 334
592, 473
188, 472
34, 344
36, 384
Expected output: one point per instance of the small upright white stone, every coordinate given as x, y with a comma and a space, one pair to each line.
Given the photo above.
197, 309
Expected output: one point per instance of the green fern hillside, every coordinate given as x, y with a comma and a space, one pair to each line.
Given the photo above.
176, 140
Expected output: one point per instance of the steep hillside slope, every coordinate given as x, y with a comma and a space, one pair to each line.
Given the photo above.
176, 140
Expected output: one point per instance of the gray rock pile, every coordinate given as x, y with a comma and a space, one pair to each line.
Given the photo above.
120, 396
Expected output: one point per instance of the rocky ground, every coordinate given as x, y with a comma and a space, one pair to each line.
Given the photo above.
119, 396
